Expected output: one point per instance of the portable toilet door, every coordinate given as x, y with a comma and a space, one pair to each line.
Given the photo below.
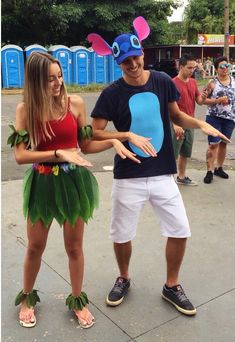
81, 65
100, 68
64, 55
115, 72
12, 66
34, 47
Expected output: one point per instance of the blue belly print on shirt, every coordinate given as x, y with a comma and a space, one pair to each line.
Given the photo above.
146, 120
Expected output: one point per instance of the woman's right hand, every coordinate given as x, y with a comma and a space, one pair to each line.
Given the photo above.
73, 157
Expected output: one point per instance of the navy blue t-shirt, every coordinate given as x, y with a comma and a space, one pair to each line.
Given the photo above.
142, 110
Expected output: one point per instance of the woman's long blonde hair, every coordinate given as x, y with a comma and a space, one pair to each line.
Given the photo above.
39, 103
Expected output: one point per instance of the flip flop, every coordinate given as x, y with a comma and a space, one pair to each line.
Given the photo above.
30, 324
84, 325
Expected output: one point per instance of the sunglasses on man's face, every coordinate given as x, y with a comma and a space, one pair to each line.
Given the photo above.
223, 66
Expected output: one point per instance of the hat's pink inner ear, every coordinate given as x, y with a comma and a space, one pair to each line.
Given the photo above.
141, 27
99, 45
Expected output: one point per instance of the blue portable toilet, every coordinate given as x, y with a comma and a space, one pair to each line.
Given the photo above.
64, 55
115, 72
81, 57
99, 68
34, 47
12, 66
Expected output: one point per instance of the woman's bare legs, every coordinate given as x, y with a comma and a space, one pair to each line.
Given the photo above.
73, 240
37, 239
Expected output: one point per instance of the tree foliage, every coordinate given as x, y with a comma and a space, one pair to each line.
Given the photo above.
26, 22
206, 16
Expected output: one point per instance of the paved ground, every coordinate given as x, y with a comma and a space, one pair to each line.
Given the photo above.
207, 273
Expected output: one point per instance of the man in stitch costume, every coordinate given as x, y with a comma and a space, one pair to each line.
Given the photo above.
141, 104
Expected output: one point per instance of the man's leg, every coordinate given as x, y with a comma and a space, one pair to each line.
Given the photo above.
169, 207
185, 153
175, 249
128, 199
123, 256
122, 283
172, 290
182, 162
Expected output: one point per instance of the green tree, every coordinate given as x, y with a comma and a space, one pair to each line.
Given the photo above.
206, 16
26, 22
176, 33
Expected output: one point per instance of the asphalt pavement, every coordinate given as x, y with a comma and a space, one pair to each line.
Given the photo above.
207, 273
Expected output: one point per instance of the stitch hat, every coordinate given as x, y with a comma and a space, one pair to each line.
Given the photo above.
124, 45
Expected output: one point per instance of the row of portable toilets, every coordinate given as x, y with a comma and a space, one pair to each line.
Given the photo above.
80, 65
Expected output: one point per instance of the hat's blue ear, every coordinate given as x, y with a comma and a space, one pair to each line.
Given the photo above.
141, 27
99, 45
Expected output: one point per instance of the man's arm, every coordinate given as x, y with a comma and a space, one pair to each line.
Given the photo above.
99, 133
181, 119
143, 143
200, 99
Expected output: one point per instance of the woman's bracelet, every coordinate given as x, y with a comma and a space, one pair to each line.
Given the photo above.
55, 154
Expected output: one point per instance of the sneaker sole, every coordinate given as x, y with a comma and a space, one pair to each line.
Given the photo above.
108, 302
220, 176
187, 184
185, 312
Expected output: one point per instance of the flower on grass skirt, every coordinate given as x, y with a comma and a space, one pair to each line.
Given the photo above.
41, 169
47, 169
55, 170
65, 167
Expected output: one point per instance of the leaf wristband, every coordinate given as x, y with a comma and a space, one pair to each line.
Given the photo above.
77, 303
16, 137
85, 132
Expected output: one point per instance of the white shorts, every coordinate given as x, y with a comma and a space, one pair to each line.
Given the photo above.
129, 197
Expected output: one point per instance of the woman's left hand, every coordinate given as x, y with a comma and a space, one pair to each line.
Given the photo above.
123, 152
73, 157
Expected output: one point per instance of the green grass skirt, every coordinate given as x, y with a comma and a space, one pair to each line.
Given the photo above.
67, 196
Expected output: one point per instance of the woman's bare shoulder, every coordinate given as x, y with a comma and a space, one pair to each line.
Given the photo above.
21, 110
21, 116
76, 99
77, 105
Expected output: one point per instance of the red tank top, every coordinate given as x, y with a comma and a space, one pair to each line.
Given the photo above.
65, 133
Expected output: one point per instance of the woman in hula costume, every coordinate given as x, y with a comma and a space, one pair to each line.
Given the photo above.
50, 132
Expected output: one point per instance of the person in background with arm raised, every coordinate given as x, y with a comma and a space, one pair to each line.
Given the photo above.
221, 115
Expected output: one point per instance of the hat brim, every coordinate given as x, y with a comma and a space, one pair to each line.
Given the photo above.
131, 53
